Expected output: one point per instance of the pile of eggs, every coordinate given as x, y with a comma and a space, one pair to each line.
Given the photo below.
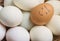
26, 20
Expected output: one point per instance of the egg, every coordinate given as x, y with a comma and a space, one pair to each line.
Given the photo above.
17, 34
56, 6
54, 0
2, 32
1, 8
41, 14
41, 33
27, 5
26, 23
11, 16
54, 25
8, 3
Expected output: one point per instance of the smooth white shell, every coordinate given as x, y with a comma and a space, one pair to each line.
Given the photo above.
56, 6
8, 3
2, 32
11, 16
41, 33
26, 23
53, 0
1, 8
17, 34
27, 5
54, 25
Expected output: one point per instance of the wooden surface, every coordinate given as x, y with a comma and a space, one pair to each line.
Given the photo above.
2, 2
56, 38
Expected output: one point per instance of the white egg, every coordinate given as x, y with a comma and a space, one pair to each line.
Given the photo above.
54, 25
56, 6
53, 0
1, 8
11, 16
17, 34
41, 33
2, 32
27, 5
8, 3
26, 23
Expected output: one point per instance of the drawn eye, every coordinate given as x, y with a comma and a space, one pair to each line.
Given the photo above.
46, 13
40, 13
42, 8
47, 10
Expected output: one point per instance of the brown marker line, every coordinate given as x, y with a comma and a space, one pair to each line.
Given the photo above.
46, 9
40, 13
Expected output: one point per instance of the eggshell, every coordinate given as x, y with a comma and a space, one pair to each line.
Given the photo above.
17, 34
2, 32
11, 16
8, 3
41, 14
41, 33
54, 25
56, 6
54, 0
1, 8
27, 5
26, 23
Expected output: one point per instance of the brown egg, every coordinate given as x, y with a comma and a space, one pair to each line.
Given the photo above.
41, 14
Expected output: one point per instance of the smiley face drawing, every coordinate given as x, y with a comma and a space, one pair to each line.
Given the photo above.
41, 14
